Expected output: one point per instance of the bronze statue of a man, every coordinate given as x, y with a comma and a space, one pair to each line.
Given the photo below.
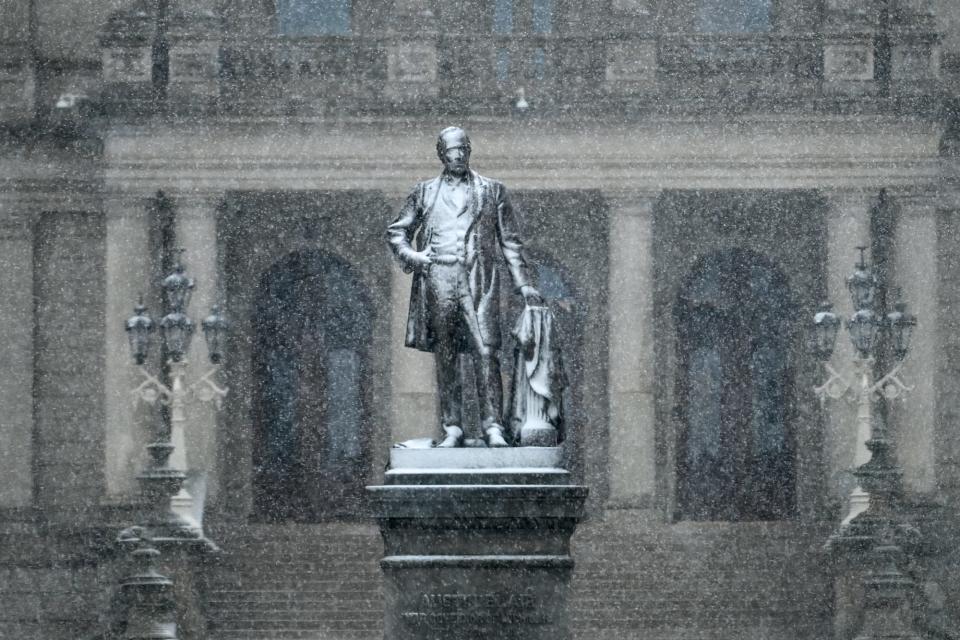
460, 223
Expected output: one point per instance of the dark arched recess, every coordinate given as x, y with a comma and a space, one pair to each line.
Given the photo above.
312, 328
735, 320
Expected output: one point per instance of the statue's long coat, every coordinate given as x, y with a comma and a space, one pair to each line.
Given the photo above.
493, 233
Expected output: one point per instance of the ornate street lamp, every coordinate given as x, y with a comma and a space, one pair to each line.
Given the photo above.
869, 332
171, 506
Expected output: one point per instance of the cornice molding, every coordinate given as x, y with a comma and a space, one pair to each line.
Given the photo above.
658, 155
16, 228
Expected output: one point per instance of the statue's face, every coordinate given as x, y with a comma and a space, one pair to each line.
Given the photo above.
456, 158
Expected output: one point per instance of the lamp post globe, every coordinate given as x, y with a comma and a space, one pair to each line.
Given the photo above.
177, 332
863, 327
900, 324
823, 339
139, 329
215, 327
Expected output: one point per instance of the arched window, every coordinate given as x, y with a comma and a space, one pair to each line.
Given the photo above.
733, 16
735, 454
312, 326
313, 17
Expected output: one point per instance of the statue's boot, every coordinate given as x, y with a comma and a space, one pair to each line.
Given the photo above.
495, 436
453, 438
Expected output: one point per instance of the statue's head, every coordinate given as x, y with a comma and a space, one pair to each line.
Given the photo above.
453, 148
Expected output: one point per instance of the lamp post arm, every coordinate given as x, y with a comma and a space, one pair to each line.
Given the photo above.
836, 386
151, 390
891, 385
206, 388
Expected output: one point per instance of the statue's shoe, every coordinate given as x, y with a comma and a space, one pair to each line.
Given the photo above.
495, 437
453, 437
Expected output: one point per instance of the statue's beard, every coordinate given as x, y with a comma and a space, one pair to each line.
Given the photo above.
457, 169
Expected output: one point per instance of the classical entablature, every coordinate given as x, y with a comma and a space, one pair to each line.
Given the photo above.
882, 152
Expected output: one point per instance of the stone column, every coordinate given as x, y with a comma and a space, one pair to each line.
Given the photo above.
127, 276
631, 370
196, 232
915, 273
412, 378
848, 225
16, 352
948, 353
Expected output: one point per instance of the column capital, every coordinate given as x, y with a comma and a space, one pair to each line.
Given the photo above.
34, 197
919, 201
125, 204
842, 198
17, 226
639, 202
196, 202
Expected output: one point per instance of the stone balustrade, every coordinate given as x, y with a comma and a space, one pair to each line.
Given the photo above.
194, 65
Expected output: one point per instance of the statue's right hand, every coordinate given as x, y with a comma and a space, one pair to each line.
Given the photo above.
419, 260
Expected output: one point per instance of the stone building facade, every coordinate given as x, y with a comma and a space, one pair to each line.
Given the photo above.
694, 178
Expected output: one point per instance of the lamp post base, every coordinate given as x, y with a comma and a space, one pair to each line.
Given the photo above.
859, 502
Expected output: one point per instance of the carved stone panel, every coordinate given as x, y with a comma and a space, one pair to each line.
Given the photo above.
194, 62
915, 66
851, 15
848, 67
848, 62
632, 7
631, 65
411, 70
193, 72
126, 64
16, 91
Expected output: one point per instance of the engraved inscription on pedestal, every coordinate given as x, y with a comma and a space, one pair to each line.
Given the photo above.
441, 610
506, 596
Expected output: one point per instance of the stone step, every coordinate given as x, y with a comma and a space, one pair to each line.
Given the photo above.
690, 581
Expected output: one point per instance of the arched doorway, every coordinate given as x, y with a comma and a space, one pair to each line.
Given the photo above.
312, 326
735, 321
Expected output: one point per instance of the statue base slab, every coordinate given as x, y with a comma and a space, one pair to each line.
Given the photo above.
477, 543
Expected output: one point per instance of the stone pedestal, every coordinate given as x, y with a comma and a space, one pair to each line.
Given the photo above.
477, 543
